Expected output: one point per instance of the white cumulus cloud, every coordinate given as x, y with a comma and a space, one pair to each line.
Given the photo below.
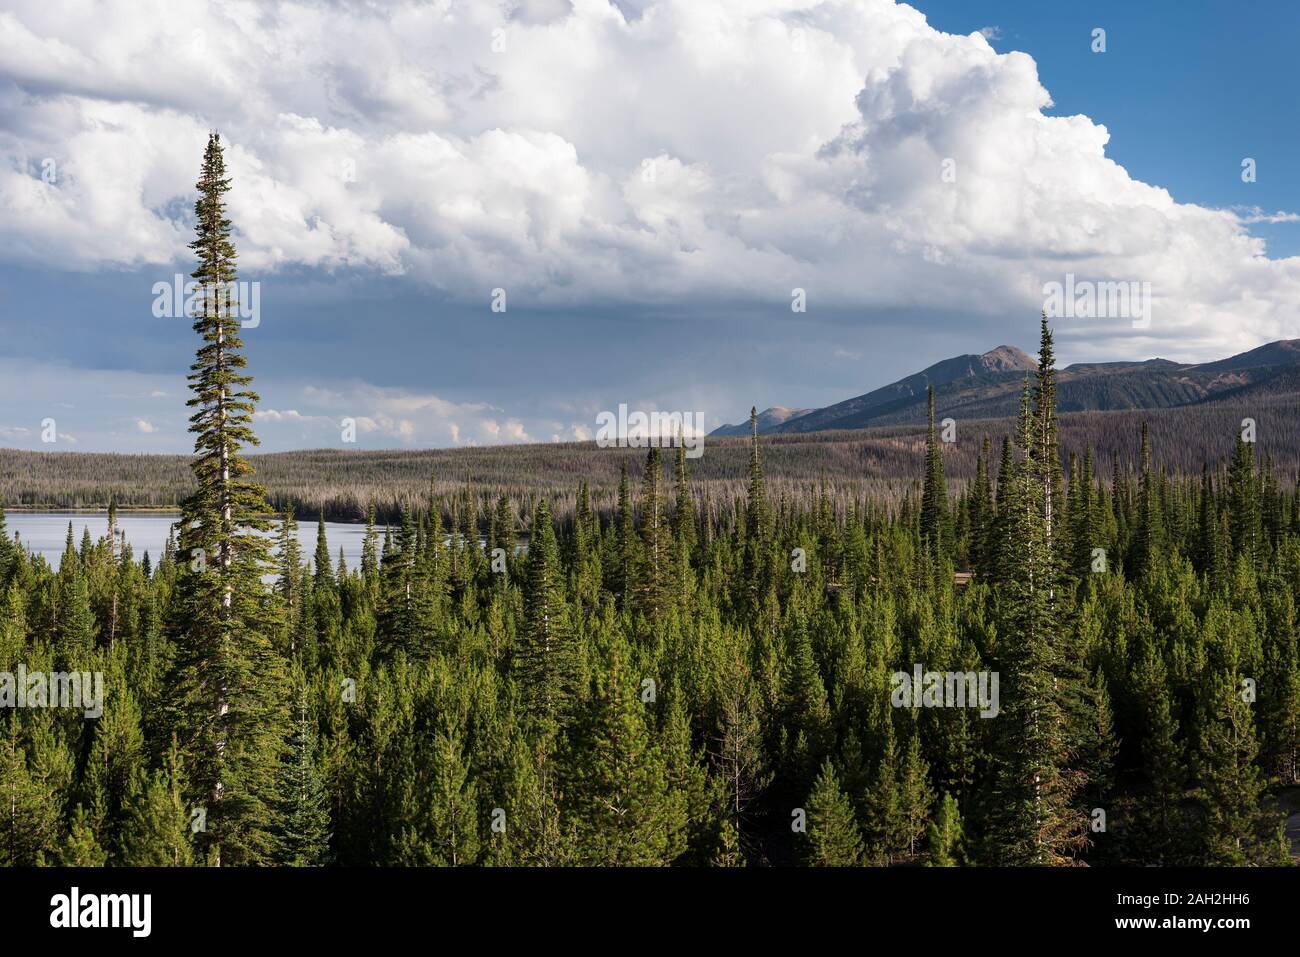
679, 152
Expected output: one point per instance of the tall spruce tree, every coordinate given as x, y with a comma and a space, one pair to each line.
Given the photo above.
936, 522
653, 587
625, 543
546, 659
758, 522
289, 558
981, 512
228, 688
1147, 537
1243, 502
1036, 820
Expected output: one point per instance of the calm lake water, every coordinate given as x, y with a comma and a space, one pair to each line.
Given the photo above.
44, 533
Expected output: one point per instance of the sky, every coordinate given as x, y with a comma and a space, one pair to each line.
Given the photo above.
479, 223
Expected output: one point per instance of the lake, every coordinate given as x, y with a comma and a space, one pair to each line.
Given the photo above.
44, 533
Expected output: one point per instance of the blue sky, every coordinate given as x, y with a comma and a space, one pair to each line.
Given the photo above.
1185, 89
649, 183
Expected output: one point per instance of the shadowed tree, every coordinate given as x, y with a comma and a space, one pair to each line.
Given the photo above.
833, 836
302, 822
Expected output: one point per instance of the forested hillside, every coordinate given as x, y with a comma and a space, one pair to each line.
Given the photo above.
671, 684
881, 464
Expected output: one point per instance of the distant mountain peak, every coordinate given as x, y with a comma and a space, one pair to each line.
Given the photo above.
1007, 359
768, 419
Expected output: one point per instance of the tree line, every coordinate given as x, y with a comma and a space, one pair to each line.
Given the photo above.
852, 467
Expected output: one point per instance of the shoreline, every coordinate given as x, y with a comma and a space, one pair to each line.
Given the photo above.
91, 509
132, 510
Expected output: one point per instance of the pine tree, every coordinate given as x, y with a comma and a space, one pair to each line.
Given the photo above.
585, 562
625, 811
1207, 545
1230, 788
533, 833
808, 717
322, 567
1043, 453
115, 766
289, 561
1035, 821
114, 623
158, 831
683, 526
947, 842
625, 554
915, 796
288, 580
398, 620
1280, 696
585, 527
758, 524
1085, 530
228, 683
726, 852
81, 848
737, 743
1158, 810
302, 822
77, 621
505, 528
446, 831
981, 512
325, 605
886, 824
654, 571
13, 628
936, 522
1147, 536
1243, 502
34, 779
833, 836
8, 550
1003, 546
369, 557
546, 659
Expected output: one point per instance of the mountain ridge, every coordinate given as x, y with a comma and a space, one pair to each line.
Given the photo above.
767, 419
988, 386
